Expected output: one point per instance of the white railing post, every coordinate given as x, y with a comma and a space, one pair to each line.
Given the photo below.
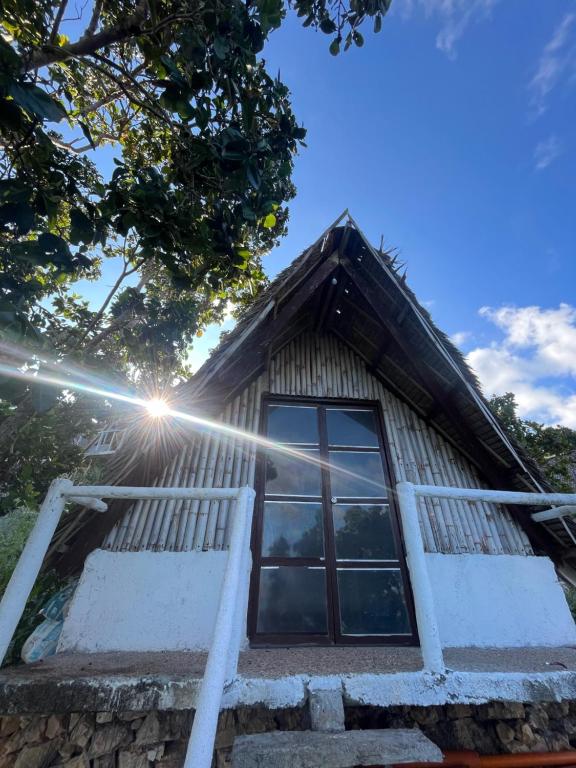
20, 585
422, 590
201, 744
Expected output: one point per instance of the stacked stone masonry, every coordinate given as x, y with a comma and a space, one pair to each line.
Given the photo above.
159, 739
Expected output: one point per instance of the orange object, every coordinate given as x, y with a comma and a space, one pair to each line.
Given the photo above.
468, 759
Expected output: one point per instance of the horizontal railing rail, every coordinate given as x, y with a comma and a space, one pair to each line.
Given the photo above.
408, 495
61, 491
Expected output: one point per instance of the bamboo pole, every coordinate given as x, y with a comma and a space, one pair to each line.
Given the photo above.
323, 369
147, 520
153, 540
176, 542
424, 470
437, 510
206, 482
224, 508
238, 456
167, 518
425, 511
214, 507
450, 471
199, 471
187, 529
460, 512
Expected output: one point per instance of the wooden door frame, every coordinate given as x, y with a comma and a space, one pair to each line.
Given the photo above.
333, 636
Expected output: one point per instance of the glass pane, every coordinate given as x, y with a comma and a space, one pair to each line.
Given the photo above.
363, 532
372, 602
293, 424
361, 475
292, 529
292, 476
351, 428
292, 600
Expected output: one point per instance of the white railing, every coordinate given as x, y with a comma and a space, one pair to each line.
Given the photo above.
408, 494
61, 491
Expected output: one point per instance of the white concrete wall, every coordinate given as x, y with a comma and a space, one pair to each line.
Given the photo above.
145, 601
156, 601
499, 601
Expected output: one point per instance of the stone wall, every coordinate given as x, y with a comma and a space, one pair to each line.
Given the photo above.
159, 739
493, 728
127, 739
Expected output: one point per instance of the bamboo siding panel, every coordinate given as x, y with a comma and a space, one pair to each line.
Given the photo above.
318, 366
210, 460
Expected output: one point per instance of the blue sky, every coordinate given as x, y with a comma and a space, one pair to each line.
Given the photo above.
451, 133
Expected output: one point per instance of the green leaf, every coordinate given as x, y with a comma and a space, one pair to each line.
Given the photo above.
81, 228
11, 116
335, 47
378, 23
269, 221
37, 102
270, 12
8, 56
221, 47
253, 175
327, 26
20, 214
86, 132
358, 39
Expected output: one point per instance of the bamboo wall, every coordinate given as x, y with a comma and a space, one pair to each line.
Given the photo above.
318, 366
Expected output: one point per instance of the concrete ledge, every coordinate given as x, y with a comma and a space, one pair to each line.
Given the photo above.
135, 681
312, 749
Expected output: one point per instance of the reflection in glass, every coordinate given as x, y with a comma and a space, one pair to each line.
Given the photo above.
293, 424
368, 479
363, 532
292, 529
292, 599
372, 602
351, 427
292, 476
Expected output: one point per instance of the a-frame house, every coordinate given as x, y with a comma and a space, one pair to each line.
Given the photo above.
338, 365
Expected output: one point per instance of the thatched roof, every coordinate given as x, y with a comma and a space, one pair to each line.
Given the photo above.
342, 285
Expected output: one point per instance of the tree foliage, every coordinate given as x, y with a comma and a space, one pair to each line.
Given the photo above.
203, 139
15, 528
553, 448
207, 137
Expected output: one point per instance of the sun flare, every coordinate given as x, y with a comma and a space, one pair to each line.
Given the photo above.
157, 408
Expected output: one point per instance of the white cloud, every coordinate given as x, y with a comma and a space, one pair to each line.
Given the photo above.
460, 338
557, 59
546, 152
535, 359
454, 16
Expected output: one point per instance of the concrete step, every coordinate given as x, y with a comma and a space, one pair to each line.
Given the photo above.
343, 749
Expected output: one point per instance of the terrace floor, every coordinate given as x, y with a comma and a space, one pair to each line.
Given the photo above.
278, 676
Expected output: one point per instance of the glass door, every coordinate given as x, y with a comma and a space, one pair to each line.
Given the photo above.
328, 564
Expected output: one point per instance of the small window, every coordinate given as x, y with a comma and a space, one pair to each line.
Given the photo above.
292, 600
351, 428
357, 474
288, 475
292, 529
363, 532
293, 424
372, 602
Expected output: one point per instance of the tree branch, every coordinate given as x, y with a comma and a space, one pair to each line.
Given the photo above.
91, 28
99, 315
89, 44
57, 20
